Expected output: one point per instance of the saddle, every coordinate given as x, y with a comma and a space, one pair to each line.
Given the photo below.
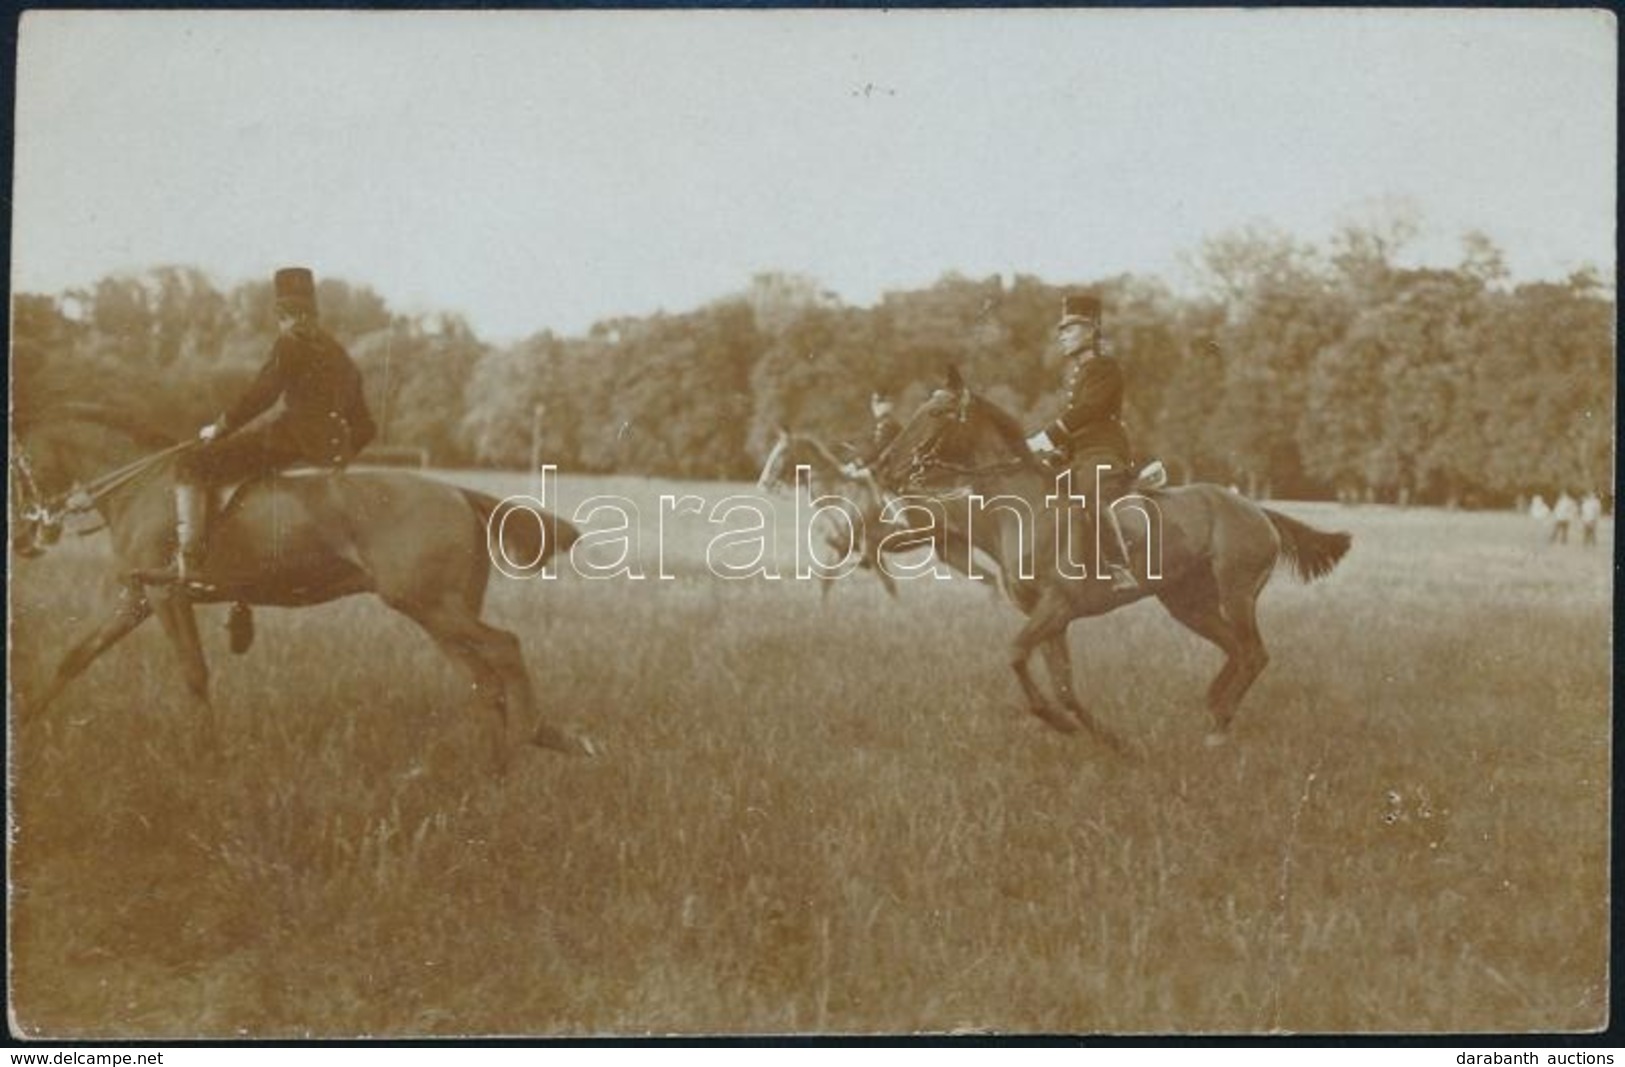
1147, 478
226, 498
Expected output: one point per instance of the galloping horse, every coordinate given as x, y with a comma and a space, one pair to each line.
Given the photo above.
1217, 550
862, 501
290, 541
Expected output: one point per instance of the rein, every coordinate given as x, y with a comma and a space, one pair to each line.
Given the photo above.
1004, 466
82, 498
925, 460
86, 496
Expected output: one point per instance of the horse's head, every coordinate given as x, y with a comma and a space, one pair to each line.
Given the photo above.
67, 476
34, 526
941, 440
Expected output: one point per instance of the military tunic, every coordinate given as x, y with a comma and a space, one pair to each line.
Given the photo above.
886, 430
1090, 430
324, 420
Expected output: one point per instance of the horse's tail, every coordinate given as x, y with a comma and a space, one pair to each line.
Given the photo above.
1311, 553
523, 540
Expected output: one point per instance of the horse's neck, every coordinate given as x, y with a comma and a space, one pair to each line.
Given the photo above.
820, 461
1010, 475
63, 460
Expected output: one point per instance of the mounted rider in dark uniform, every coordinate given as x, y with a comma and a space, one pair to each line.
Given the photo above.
324, 421
884, 433
886, 426
1089, 433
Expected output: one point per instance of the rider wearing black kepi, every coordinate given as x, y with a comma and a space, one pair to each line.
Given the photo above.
1089, 433
324, 421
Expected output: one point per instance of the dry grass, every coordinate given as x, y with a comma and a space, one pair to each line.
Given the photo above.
836, 817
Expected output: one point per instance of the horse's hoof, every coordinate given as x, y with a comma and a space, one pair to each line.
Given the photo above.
1056, 722
549, 738
1115, 744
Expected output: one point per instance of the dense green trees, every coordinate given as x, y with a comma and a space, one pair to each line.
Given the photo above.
1291, 371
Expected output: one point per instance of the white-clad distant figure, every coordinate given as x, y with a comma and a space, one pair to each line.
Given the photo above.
1541, 513
1564, 512
1590, 514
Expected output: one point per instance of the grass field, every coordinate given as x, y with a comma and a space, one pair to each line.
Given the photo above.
833, 817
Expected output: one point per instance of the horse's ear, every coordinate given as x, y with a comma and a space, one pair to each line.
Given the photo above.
953, 380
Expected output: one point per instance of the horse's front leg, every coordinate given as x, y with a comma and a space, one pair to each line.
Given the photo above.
131, 611
1048, 619
1058, 658
177, 615
956, 551
872, 560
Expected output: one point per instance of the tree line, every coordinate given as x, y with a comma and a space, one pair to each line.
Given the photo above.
1292, 370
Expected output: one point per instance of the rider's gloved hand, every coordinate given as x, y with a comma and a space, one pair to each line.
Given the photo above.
852, 470
209, 432
1040, 444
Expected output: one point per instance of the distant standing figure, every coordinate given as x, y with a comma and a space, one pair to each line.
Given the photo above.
1538, 509
1563, 513
1590, 513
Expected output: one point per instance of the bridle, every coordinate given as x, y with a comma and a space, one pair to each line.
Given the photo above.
925, 458
47, 513
32, 508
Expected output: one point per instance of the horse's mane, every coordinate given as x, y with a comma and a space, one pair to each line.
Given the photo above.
1004, 423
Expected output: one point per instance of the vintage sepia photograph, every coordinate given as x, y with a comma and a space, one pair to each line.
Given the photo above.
801, 523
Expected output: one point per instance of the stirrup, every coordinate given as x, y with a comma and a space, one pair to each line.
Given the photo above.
184, 570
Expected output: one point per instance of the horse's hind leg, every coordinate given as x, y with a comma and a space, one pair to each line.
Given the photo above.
493, 660
1240, 605
132, 610
1195, 604
503, 650
454, 632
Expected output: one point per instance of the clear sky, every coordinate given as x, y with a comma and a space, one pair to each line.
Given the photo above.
542, 170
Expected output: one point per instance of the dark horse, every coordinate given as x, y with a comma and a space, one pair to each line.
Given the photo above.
1217, 549
862, 502
290, 541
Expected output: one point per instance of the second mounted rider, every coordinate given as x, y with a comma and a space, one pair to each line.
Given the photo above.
1088, 436
886, 429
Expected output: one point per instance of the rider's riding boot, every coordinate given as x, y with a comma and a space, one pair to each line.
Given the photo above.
191, 512
1123, 578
